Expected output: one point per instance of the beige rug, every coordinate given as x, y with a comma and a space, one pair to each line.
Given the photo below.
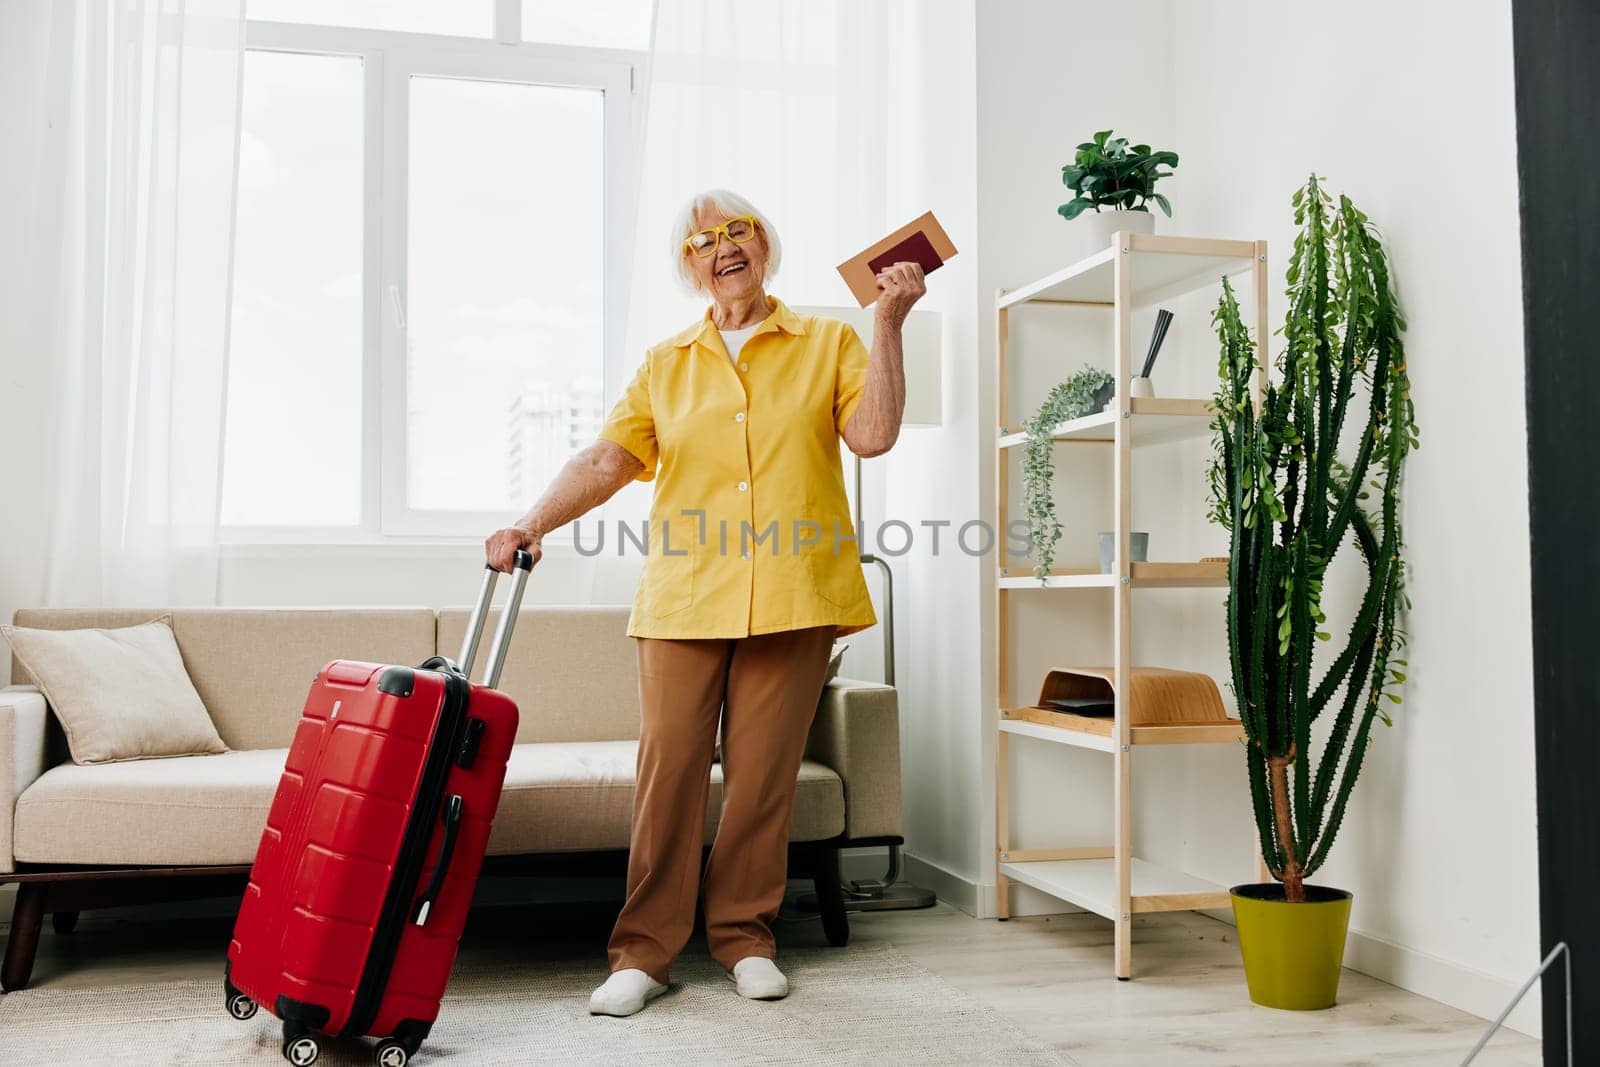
858, 1005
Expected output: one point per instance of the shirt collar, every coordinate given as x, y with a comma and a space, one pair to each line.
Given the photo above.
781, 318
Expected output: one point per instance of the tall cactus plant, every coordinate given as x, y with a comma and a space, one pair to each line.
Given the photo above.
1285, 486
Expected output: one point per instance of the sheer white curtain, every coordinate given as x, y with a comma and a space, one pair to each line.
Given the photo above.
122, 290
788, 102
804, 106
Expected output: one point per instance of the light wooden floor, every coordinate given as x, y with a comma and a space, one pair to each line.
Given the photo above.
1050, 974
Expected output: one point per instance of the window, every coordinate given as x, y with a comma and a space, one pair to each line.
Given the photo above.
295, 405
430, 265
506, 232
599, 23
468, 18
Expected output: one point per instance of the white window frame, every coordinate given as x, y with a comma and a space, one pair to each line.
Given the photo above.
389, 59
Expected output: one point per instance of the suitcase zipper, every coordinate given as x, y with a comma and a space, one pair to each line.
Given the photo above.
408, 863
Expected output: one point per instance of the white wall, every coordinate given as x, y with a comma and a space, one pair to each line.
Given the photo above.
933, 475
1439, 847
1038, 96
1409, 109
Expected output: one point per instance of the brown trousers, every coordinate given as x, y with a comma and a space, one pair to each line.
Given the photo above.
766, 689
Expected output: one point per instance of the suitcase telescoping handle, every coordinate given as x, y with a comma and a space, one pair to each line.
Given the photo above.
508, 619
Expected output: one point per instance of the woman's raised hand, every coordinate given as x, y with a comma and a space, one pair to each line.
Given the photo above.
500, 550
903, 286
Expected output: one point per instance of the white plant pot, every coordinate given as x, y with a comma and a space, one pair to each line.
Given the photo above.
1093, 229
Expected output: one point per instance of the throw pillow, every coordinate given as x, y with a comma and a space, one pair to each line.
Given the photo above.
120, 694
834, 663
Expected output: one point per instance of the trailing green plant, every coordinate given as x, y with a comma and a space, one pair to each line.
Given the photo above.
1068, 400
1290, 501
1107, 173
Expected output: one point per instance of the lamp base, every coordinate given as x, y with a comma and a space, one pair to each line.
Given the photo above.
886, 898
878, 894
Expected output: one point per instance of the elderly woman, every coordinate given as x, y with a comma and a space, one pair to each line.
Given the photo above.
750, 574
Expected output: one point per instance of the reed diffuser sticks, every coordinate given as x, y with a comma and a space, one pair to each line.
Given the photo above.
1163, 320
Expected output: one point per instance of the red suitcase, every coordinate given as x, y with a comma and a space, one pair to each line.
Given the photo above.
372, 848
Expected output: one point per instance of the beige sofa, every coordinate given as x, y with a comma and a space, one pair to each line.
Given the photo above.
77, 837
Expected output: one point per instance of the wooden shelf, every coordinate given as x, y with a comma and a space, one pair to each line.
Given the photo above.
1134, 270
1167, 267
1083, 731
1180, 575
1155, 420
1145, 576
1059, 578
1091, 885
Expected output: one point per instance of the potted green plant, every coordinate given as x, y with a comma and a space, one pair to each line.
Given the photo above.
1117, 181
1084, 393
1293, 490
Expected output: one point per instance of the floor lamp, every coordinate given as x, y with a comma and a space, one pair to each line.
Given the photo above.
922, 344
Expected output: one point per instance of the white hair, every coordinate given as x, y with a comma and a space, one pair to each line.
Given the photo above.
731, 205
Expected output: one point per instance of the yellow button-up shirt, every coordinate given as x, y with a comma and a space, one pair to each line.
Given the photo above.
749, 529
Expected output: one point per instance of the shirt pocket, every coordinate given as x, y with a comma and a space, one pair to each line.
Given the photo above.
835, 578
666, 585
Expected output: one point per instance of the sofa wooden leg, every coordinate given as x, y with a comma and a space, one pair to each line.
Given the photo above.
64, 922
830, 896
27, 920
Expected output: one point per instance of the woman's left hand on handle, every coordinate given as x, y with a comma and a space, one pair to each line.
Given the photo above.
501, 547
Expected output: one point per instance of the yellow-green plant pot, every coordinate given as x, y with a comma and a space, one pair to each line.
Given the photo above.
1292, 952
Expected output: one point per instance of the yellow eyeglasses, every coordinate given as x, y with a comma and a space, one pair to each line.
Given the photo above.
738, 230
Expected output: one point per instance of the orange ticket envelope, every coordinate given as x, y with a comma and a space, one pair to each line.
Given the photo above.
921, 241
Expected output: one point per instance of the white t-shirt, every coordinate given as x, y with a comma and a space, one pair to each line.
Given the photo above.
733, 340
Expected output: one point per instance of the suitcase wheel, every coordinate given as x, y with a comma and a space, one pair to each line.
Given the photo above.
391, 1053
300, 1049
241, 1007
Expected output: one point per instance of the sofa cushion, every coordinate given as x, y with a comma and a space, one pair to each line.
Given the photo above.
184, 810
120, 693
211, 809
253, 666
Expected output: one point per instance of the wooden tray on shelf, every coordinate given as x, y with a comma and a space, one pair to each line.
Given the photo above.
1161, 697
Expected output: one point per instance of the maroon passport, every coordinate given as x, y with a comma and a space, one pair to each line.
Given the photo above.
922, 240
914, 249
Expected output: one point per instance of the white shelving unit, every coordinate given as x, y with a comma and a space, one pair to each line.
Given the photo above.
1134, 271
1090, 883
1156, 421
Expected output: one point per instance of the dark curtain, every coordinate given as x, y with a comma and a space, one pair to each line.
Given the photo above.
1557, 51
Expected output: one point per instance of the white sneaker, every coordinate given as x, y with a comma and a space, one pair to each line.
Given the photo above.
758, 978
624, 993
